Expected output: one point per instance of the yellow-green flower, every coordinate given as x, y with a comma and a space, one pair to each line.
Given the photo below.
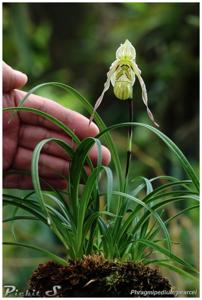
122, 75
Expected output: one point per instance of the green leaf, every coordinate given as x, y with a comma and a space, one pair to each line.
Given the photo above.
66, 214
130, 219
54, 257
171, 145
85, 200
37, 187
26, 208
166, 252
167, 264
153, 232
15, 218
77, 169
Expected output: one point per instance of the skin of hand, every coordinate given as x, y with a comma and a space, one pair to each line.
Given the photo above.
25, 130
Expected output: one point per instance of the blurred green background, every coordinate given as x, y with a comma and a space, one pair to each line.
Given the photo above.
75, 44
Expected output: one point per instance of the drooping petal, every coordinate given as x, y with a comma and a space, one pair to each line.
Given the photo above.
144, 94
106, 87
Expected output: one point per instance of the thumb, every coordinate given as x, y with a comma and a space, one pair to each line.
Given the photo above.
12, 79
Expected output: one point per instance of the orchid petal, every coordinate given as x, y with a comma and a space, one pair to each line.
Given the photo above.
106, 87
144, 94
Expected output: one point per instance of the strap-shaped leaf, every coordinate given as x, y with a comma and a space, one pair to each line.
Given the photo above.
53, 256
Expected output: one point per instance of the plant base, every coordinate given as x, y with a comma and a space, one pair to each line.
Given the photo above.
93, 276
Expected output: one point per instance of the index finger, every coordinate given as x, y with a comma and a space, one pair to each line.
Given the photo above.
74, 120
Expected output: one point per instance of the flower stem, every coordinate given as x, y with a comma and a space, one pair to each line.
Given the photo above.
130, 138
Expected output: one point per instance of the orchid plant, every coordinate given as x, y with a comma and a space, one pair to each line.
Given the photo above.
127, 220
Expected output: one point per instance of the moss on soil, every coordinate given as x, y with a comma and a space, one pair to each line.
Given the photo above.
93, 276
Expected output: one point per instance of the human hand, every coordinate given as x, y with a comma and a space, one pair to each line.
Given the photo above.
21, 135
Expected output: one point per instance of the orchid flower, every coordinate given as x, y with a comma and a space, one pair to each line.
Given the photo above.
122, 75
